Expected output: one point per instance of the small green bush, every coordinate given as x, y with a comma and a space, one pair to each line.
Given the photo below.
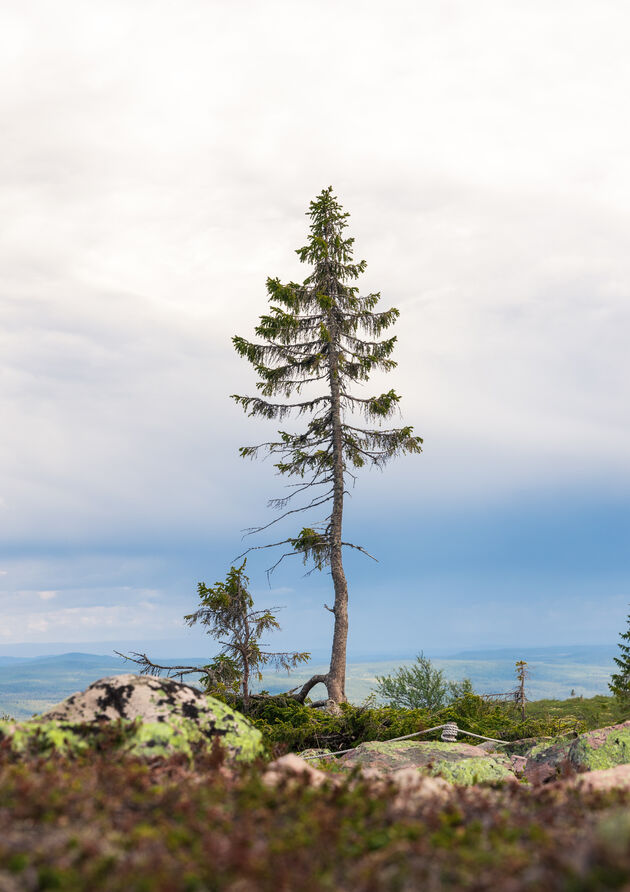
420, 686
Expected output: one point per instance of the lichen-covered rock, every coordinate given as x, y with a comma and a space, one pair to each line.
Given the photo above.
466, 772
152, 716
600, 749
313, 757
457, 763
617, 778
514, 747
292, 768
404, 788
593, 750
392, 755
543, 762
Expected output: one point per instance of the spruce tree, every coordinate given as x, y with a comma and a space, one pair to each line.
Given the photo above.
226, 609
620, 681
323, 333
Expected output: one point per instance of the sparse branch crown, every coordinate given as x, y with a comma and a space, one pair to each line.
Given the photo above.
324, 334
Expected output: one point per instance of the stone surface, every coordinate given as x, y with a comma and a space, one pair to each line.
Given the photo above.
391, 755
544, 761
404, 789
293, 768
593, 750
457, 763
514, 747
311, 756
603, 748
157, 716
617, 778
475, 771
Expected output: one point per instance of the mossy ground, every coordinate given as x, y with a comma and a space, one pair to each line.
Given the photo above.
474, 771
99, 818
593, 712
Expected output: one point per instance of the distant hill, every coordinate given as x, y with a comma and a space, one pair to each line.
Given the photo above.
592, 655
31, 685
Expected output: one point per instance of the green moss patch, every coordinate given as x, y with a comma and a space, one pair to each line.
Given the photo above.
474, 771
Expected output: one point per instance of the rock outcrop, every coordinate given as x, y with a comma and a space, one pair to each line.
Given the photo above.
458, 763
601, 749
534, 761
404, 788
155, 716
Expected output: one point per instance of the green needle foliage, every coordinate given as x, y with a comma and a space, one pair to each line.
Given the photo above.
323, 333
227, 612
620, 681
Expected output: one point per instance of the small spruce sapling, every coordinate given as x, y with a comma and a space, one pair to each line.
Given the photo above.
227, 611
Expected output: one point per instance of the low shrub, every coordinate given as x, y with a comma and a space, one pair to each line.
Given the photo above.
290, 726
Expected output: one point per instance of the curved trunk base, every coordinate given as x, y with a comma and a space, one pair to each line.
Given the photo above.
333, 686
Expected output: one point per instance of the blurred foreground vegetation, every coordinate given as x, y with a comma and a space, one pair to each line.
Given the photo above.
106, 821
118, 824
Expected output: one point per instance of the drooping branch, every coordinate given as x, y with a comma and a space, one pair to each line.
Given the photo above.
148, 667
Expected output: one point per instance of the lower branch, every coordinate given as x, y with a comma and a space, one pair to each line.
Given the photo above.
148, 667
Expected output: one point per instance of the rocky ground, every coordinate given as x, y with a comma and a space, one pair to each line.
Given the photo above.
144, 784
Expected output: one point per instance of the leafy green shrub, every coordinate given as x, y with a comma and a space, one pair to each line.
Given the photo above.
420, 686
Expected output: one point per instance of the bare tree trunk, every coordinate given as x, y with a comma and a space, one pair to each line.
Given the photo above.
245, 658
246, 685
521, 674
336, 682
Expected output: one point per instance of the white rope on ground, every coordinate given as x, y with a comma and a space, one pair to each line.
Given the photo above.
451, 726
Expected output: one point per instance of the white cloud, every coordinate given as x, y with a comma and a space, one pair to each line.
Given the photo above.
47, 595
152, 184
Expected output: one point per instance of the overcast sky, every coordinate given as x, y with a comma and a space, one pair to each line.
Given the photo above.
157, 162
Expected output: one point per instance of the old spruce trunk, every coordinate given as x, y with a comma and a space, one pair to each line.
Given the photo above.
336, 683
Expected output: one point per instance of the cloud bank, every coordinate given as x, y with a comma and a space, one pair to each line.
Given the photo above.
157, 168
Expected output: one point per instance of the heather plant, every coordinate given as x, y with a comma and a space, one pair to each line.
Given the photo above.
113, 824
